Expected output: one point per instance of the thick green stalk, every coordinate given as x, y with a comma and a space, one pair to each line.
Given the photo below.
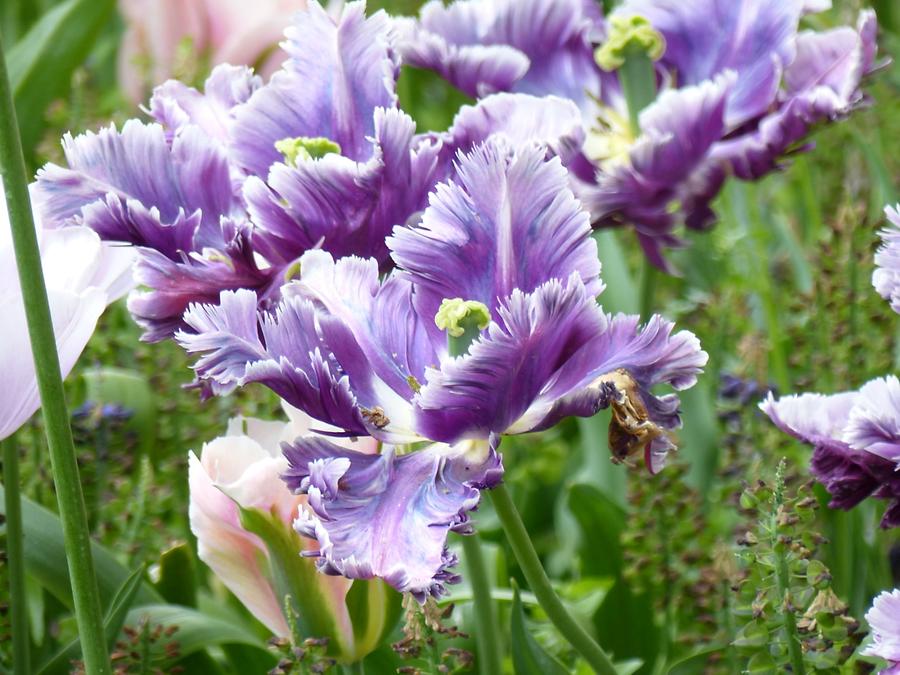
490, 649
56, 415
649, 277
540, 584
15, 558
638, 79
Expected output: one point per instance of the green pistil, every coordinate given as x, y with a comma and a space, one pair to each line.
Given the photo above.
632, 47
306, 148
463, 320
628, 35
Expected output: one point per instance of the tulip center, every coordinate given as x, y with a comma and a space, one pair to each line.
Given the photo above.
304, 148
609, 141
463, 320
630, 49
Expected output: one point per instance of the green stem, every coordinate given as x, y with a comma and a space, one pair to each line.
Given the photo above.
782, 578
743, 202
649, 277
50, 385
638, 80
540, 584
15, 556
487, 638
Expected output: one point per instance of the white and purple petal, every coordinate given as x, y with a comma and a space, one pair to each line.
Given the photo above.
281, 350
338, 73
176, 105
537, 47
133, 186
755, 38
388, 515
874, 423
886, 277
822, 84
508, 221
849, 474
884, 621
550, 354
550, 121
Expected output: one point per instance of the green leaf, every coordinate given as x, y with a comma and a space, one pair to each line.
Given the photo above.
296, 576
529, 658
698, 439
42, 62
195, 631
177, 576
132, 391
697, 663
625, 625
601, 522
45, 558
112, 625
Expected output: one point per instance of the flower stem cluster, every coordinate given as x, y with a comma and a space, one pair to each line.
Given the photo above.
792, 617
423, 631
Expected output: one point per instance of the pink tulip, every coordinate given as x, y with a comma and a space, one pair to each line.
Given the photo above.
243, 468
225, 31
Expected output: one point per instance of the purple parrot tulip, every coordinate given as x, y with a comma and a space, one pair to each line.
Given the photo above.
855, 434
659, 143
502, 258
230, 186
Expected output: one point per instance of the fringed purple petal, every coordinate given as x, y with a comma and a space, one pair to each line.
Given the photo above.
336, 77
133, 186
507, 222
532, 46
196, 277
342, 206
884, 620
176, 105
874, 423
550, 354
666, 164
552, 122
755, 38
822, 85
282, 351
371, 328
388, 515
886, 277
850, 475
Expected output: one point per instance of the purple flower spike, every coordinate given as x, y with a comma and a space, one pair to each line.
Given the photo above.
886, 278
851, 433
884, 620
388, 515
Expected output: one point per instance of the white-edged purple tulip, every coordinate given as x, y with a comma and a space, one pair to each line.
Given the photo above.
733, 100
231, 185
506, 242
